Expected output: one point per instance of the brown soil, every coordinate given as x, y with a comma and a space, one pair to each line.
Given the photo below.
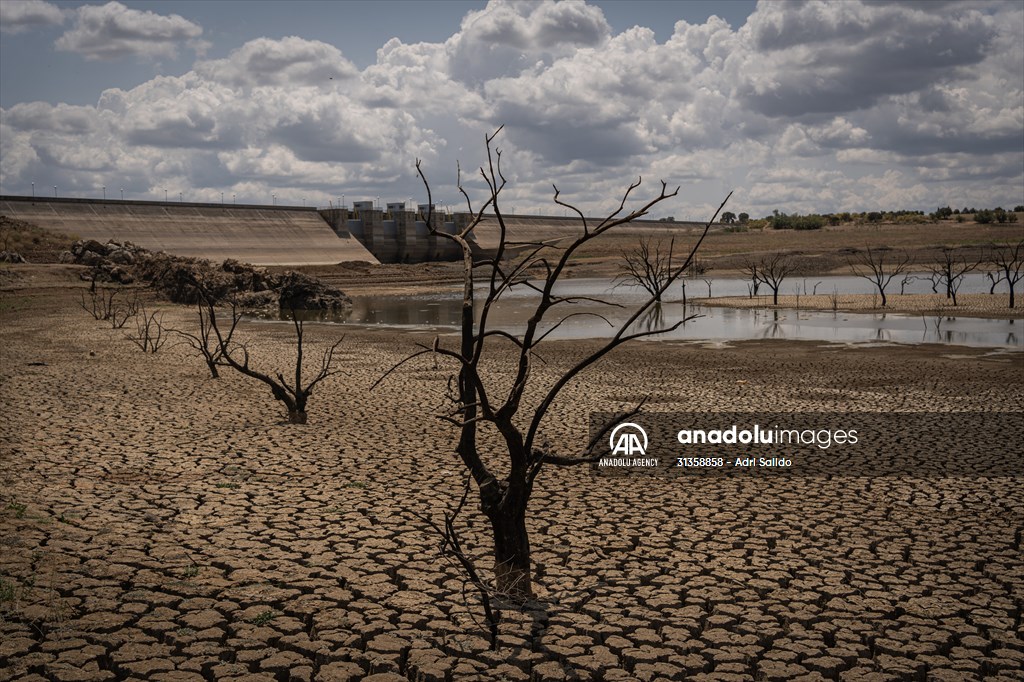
158, 524
826, 251
819, 251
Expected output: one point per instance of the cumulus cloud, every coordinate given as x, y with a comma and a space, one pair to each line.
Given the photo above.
290, 61
506, 38
43, 117
806, 107
113, 31
21, 15
814, 58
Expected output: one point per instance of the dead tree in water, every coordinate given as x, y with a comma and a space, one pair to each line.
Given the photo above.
479, 402
771, 270
1010, 263
647, 267
950, 271
878, 271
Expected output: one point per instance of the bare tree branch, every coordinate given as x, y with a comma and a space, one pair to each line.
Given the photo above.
950, 271
879, 272
504, 500
295, 396
1010, 262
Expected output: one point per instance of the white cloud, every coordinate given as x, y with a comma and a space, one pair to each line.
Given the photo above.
822, 107
21, 15
40, 116
810, 58
289, 61
113, 31
507, 38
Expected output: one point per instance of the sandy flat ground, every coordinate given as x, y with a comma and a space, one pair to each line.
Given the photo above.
157, 524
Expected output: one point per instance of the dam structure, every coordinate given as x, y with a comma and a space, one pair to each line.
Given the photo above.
260, 235
291, 235
397, 235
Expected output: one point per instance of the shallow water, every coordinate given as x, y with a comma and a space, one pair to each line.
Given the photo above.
441, 311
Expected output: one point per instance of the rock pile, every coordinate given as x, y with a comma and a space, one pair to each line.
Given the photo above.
177, 277
109, 262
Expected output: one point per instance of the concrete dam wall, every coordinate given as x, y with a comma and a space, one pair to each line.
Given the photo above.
401, 235
289, 235
261, 235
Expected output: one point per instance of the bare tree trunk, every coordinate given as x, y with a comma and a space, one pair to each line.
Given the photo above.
513, 573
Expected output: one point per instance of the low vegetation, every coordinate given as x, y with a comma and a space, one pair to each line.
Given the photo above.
32, 242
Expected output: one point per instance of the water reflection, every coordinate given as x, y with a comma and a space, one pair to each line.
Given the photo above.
442, 311
653, 319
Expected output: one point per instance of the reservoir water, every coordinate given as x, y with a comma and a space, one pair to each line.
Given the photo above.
440, 311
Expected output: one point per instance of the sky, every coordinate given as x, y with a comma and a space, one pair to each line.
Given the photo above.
793, 106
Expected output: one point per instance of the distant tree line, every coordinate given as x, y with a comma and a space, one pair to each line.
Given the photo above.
984, 215
779, 220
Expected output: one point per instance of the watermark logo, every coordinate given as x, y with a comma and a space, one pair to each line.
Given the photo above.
626, 440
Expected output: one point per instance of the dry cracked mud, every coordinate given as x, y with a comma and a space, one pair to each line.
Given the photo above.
161, 525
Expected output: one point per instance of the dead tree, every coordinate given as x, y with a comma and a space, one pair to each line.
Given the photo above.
150, 334
993, 281
950, 271
205, 342
515, 414
750, 268
1010, 263
878, 271
771, 270
235, 354
102, 306
699, 268
647, 266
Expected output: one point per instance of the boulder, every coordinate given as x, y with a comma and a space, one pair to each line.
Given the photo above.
121, 256
91, 246
91, 258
